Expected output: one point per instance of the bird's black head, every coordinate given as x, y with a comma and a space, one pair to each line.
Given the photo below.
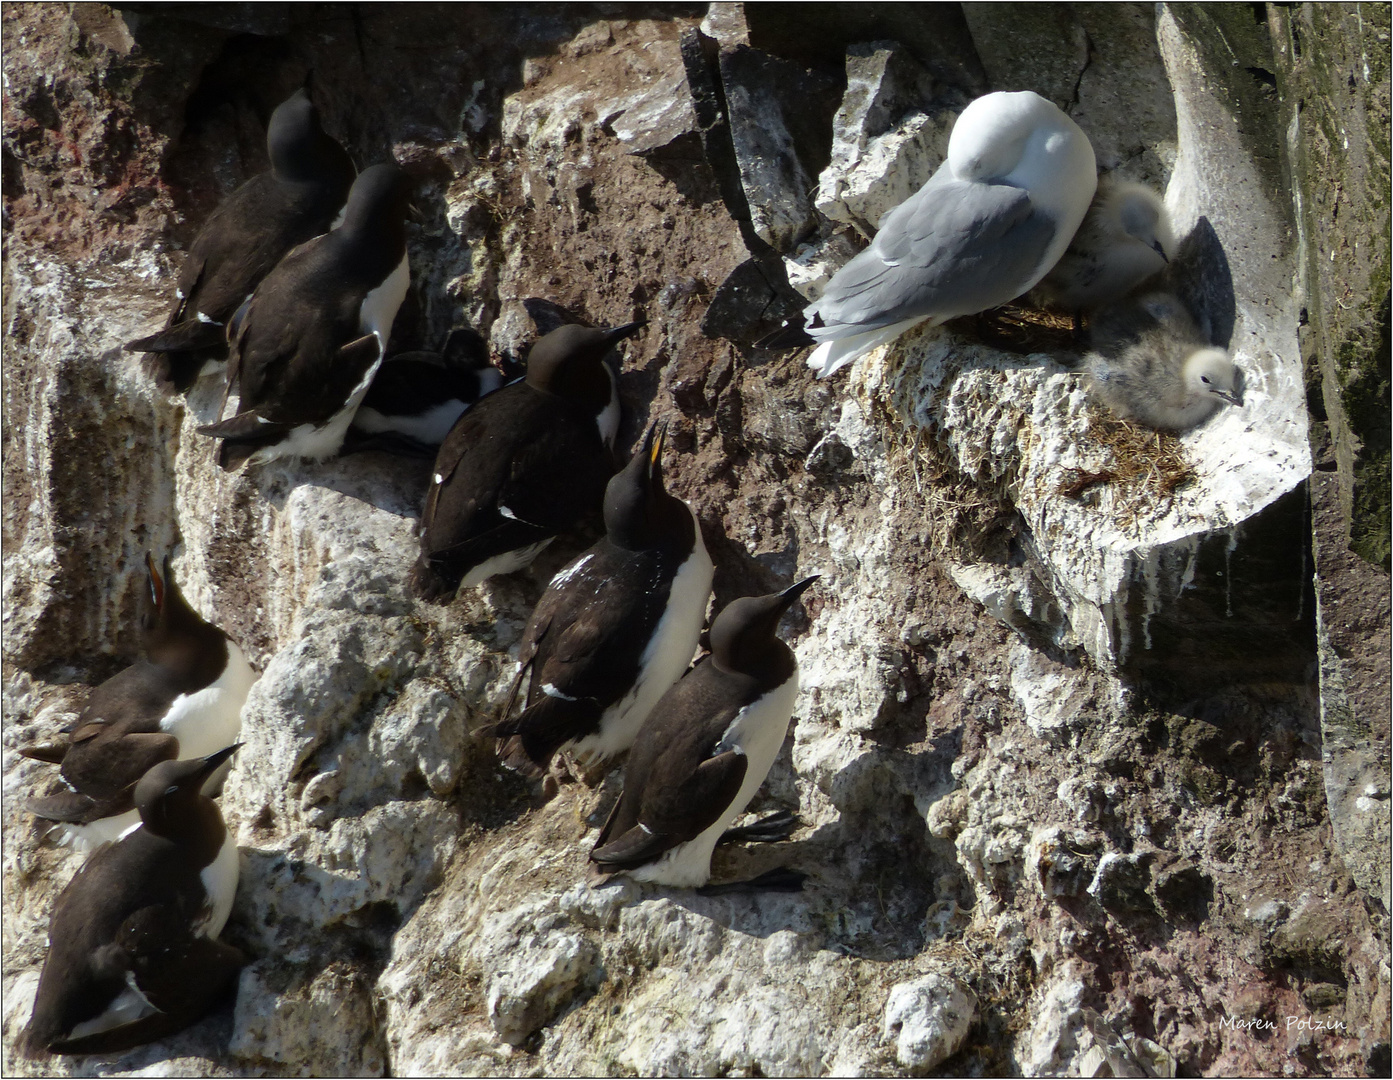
567, 361
377, 206
170, 799
174, 634
639, 512
300, 150
744, 635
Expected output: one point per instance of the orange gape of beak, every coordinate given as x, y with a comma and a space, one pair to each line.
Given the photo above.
156, 582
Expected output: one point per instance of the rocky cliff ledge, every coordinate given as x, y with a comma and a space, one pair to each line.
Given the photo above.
1092, 752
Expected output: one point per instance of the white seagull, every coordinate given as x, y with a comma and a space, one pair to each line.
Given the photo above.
984, 229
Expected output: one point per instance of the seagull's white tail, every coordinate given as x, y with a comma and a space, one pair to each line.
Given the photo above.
834, 355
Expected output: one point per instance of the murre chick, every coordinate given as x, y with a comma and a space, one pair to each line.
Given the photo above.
1151, 362
526, 463
184, 699
246, 236
133, 952
705, 749
616, 626
416, 397
306, 346
984, 229
1125, 238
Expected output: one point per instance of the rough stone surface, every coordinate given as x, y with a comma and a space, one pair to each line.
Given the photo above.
1335, 89
928, 1018
1125, 871
888, 137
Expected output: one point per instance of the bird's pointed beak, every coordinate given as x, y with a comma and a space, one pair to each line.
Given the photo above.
656, 439
156, 582
1226, 395
797, 589
616, 334
213, 760
1156, 247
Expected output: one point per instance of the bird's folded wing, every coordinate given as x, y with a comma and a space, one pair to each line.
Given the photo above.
107, 773
539, 492
952, 249
690, 808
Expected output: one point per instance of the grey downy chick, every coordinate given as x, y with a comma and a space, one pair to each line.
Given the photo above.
1125, 238
1150, 361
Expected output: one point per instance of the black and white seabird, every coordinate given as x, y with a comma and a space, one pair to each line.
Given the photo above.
247, 236
985, 228
184, 699
706, 748
416, 397
133, 952
1152, 362
308, 343
526, 463
615, 628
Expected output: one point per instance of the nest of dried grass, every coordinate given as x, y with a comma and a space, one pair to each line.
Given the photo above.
962, 517
1144, 468
1023, 330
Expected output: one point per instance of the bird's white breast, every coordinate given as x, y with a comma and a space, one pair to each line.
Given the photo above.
220, 882
375, 316
210, 719
758, 732
429, 427
664, 659
608, 420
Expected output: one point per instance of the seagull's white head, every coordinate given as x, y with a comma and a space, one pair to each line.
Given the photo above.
997, 132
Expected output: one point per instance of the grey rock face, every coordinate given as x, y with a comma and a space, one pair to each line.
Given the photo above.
964, 775
889, 135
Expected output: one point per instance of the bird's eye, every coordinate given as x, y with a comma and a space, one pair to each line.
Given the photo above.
171, 789
1204, 379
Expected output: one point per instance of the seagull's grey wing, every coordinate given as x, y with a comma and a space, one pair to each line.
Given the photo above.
953, 248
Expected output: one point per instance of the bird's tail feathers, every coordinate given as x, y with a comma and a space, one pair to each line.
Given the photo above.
182, 336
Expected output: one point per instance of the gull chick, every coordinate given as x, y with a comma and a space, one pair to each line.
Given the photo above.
984, 229
1124, 239
1150, 362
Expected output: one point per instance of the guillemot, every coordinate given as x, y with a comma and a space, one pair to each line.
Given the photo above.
133, 952
526, 463
306, 345
705, 749
616, 626
246, 236
183, 699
